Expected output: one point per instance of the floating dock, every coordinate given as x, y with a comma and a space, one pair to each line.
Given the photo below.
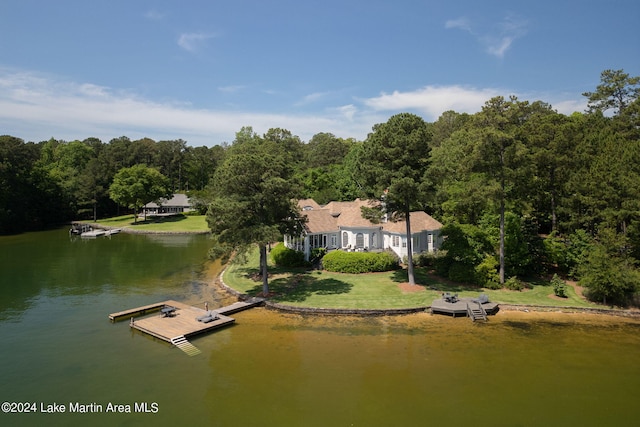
182, 320
93, 233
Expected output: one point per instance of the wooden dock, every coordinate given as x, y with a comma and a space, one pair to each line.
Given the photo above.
461, 307
183, 322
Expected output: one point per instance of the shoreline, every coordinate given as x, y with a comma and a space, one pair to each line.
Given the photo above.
129, 230
503, 308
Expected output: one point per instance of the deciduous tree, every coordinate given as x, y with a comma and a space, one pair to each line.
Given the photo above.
138, 185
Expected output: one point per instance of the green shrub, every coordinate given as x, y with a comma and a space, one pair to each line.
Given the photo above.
493, 285
285, 257
359, 262
608, 274
559, 287
318, 253
459, 272
428, 259
464, 247
514, 284
487, 273
442, 263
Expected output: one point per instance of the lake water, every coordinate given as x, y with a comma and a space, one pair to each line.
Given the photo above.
60, 351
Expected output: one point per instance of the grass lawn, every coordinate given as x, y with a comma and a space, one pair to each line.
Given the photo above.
323, 289
169, 224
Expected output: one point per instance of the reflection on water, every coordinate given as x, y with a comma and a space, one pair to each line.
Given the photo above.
279, 369
172, 240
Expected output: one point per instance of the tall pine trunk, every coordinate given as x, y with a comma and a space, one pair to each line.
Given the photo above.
502, 241
554, 218
412, 279
263, 270
502, 197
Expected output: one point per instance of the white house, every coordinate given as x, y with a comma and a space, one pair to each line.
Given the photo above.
340, 225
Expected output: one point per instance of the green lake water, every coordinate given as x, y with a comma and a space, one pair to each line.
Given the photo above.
59, 350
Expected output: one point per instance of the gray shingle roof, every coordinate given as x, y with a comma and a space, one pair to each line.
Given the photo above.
178, 199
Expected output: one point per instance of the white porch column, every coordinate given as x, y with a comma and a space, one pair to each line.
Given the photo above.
307, 249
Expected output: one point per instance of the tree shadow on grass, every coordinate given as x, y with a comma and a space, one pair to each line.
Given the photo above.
299, 287
430, 281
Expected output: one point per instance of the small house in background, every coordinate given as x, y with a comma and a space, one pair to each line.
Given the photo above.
340, 225
179, 203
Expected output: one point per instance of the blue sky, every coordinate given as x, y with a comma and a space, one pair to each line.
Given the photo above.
201, 70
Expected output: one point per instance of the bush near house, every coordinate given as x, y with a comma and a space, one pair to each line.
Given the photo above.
487, 273
285, 257
359, 262
428, 259
514, 284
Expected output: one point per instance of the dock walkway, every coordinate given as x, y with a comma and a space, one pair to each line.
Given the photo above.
239, 306
138, 311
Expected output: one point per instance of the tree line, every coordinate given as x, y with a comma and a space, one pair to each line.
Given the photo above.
522, 189
51, 182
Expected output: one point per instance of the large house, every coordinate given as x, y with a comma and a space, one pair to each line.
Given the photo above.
177, 204
340, 225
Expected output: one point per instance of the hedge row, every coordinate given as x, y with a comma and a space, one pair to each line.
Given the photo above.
359, 262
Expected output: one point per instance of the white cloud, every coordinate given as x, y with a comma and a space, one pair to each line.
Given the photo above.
498, 47
461, 23
231, 88
36, 107
348, 111
154, 15
561, 102
93, 90
311, 98
510, 29
192, 42
434, 100
498, 40
569, 106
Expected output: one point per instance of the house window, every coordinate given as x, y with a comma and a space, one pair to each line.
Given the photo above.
396, 240
345, 239
404, 242
334, 240
359, 240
